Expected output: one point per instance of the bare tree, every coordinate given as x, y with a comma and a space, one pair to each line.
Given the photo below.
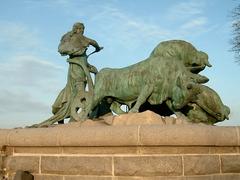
235, 41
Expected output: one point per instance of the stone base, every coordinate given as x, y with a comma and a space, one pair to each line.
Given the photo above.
141, 147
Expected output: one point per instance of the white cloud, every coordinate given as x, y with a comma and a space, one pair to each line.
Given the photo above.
196, 26
119, 25
19, 102
21, 66
191, 19
18, 36
29, 82
28, 71
19, 109
29, 85
195, 23
184, 10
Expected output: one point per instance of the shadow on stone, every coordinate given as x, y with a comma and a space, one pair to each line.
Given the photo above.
23, 175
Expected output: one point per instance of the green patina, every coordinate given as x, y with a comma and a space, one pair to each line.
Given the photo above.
168, 77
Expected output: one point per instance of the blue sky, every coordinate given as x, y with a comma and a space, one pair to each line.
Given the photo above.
32, 72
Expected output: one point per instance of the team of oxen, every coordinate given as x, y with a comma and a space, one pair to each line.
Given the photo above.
169, 77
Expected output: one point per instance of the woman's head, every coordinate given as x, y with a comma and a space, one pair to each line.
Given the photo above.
78, 28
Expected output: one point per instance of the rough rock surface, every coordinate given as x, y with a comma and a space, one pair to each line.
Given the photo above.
143, 118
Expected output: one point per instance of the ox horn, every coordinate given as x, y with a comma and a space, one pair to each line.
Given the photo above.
208, 64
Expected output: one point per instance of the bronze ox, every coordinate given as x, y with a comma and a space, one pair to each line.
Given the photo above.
207, 108
155, 80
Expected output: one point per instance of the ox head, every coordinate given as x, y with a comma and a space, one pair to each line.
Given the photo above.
183, 93
207, 108
213, 107
197, 114
194, 60
199, 62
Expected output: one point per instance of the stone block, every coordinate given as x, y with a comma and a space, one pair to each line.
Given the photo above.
24, 163
173, 150
198, 178
201, 164
83, 124
226, 177
188, 135
34, 137
143, 118
127, 178
76, 165
223, 150
99, 150
150, 178
230, 163
38, 150
225, 135
87, 178
238, 132
166, 178
23, 175
148, 166
99, 136
48, 177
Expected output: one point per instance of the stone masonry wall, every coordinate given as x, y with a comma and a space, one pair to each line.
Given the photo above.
177, 163
123, 152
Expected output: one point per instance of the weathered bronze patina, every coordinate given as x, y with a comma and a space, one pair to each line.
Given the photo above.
167, 82
74, 44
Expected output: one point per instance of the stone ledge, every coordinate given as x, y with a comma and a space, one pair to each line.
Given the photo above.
124, 150
131, 135
134, 129
113, 150
189, 135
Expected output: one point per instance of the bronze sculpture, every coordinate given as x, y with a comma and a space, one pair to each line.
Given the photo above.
168, 77
74, 44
